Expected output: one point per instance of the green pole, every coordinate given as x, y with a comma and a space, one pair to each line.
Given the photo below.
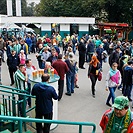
20, 126
80, 128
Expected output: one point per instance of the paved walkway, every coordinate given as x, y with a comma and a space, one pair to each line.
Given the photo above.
81, 106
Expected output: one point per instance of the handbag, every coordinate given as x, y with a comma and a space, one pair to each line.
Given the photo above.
99, 76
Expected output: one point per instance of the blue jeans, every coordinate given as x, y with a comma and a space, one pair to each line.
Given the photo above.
127, 91
70, 83
111, 94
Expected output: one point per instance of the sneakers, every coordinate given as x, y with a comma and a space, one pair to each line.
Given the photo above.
11, 84
68, 94
93, 96
76, 86
108, 104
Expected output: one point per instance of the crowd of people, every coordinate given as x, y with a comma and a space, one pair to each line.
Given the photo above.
48, 51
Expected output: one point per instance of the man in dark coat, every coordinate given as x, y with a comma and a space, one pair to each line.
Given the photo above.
44, 104
82, 51
90, 49
12, 62
115, 56
127, 79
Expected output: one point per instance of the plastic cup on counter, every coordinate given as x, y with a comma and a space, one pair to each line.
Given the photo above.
52, 72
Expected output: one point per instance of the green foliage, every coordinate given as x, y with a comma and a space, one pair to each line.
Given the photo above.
115, 10
119, 10
102, 10
3, 7
26, 10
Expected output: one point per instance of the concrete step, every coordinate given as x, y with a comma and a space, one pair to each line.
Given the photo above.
23, 132
5, 131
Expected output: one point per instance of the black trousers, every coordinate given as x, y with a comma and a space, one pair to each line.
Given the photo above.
93, 79
11, 72
46, 127
81, 60
60, 88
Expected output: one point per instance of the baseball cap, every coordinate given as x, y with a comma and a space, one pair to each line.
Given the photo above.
120, 102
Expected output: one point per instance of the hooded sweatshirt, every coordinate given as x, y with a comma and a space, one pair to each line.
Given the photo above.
113, 78
44, 94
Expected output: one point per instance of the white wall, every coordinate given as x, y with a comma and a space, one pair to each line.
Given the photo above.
45, 27
83, 27
64, 27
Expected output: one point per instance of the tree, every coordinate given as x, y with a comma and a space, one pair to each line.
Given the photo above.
3, 7
26, 10
119, 10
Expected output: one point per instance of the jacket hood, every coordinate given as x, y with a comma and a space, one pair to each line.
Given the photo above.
43, 86
128, 68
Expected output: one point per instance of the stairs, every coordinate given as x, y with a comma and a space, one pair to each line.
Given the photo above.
7, 131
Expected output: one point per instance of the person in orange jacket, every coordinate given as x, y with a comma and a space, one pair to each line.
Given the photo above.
118, 119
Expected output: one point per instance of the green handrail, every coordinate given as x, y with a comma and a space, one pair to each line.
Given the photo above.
25, 97
12, 88
17, 93
22, 119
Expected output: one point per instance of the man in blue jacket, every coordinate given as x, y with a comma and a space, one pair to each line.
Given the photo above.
44, 103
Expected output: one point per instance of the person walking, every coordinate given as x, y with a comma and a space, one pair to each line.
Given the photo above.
93, 70
61, 68
118, 119
82, 52
127, 79
13, 62
99, 52
90, 49
70, 75
44, 104
113, 81
115, 56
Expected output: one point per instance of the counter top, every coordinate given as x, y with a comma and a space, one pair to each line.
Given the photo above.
53, 78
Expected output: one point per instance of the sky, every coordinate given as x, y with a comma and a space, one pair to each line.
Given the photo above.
36, 1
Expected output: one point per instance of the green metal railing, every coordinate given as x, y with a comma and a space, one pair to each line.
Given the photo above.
22, 119
12, 88
9, 104
25, 97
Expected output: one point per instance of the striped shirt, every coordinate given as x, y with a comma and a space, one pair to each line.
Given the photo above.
19, 79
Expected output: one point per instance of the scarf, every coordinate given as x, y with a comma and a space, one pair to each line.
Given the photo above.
112, 72
125, 121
